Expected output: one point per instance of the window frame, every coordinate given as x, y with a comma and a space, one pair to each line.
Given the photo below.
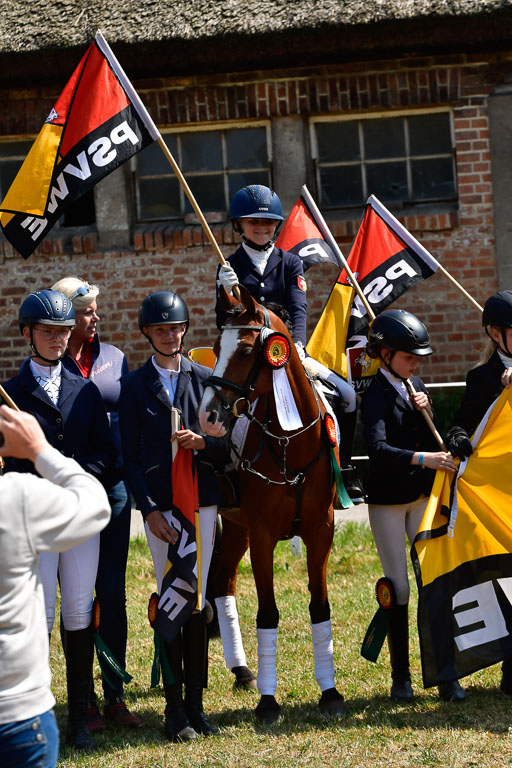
362, 161
222, 127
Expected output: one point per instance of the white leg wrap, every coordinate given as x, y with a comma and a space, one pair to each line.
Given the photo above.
231, 636
322, 647
267, 676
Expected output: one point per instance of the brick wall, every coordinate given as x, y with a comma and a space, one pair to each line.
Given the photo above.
177, 256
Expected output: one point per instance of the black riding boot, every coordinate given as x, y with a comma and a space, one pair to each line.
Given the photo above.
177, 726
347, 424
398, 642
195, 663
79, 650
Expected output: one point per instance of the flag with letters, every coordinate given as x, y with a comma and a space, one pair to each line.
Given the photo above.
97, 123
386, 261
462, 556
180, 590
302, 235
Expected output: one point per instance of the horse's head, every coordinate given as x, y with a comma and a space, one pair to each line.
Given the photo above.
252, 342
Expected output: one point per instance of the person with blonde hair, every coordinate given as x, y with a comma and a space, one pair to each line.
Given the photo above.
104, 365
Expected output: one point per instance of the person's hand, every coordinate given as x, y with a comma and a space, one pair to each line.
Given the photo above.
506, 377
420, 400
227, 277
160, 528
440, 460
460, 446
23, 437
188, 439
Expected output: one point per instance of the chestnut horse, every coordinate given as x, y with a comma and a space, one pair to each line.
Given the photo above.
286, 484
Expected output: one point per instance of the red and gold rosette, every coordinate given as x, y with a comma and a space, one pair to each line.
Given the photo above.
385, 593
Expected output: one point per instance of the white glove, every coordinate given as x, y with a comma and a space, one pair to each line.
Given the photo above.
299, 346
227, 277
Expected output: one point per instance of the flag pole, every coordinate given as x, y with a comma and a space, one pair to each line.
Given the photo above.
410, 240
10, 402
426, 415
326, 232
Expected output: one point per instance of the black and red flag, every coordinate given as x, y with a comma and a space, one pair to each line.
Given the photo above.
97, 123
180, 590
303, 235
386, 260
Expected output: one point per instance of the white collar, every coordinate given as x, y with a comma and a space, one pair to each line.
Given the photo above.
167, 372
46, 371
505, 359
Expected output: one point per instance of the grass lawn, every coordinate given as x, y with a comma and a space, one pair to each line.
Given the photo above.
375, 731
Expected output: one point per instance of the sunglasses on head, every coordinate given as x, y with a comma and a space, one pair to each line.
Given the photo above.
82, 290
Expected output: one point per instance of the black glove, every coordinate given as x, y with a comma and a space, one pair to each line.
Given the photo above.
460, 446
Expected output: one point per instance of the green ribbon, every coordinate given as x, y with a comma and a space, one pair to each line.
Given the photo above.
341, 492
160, 661
108, 663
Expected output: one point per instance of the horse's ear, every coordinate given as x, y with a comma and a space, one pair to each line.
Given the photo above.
226, 301
250, 304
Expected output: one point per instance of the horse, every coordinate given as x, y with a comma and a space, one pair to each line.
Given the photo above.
286, 480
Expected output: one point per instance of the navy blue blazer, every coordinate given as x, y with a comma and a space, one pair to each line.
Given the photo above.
145, 419
282, 282
483, 386
393, 431
77, 426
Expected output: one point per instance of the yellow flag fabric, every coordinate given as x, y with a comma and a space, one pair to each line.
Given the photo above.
462, 557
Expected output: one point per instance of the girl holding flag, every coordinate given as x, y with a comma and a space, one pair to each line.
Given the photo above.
483, 385
168, 389
403, 458
271, 274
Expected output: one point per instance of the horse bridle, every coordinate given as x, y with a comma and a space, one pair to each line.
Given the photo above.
246, 389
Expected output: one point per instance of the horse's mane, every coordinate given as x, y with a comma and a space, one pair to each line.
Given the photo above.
274, 307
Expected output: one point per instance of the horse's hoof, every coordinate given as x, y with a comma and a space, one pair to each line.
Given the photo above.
331, 703
245, 680
268, 710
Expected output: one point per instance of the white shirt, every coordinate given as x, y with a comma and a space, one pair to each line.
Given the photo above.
36, 516
258, 258
168, 377
505, 359
49, 378
399, 385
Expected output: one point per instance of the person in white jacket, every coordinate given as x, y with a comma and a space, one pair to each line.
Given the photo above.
51, 513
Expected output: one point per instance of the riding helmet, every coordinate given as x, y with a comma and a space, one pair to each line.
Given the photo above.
163, 308
46, 307
398, 330
256, 201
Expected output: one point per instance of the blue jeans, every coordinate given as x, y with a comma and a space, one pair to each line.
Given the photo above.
32, 743
110, 579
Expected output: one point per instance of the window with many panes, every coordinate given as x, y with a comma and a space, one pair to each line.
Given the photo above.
216, 163
402, 159
12, 155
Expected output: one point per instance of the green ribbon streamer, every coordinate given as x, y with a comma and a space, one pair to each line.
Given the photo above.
160, 660
108, 663
341, 492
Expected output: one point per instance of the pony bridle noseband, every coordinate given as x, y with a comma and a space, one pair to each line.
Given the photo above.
246, 389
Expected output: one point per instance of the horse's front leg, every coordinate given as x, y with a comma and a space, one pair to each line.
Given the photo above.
267, 620
318, 547
233, 546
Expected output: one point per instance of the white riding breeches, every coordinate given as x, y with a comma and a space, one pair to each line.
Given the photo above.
345, 391
159, 548
76, 569
390, 525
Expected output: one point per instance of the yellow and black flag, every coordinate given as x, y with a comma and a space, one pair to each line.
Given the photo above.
462, 557
97, 123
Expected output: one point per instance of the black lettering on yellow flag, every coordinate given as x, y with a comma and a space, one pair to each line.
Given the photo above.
462, 558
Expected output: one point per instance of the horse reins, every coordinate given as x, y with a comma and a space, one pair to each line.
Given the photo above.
297, 481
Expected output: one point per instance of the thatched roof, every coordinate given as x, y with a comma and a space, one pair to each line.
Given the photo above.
204, 30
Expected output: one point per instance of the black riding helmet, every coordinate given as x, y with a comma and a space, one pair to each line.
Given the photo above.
163, 308
399, 331
498, 311
45, 307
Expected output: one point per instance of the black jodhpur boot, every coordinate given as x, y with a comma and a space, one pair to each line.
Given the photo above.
79, 650
195, 663
398, 642
177, 725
